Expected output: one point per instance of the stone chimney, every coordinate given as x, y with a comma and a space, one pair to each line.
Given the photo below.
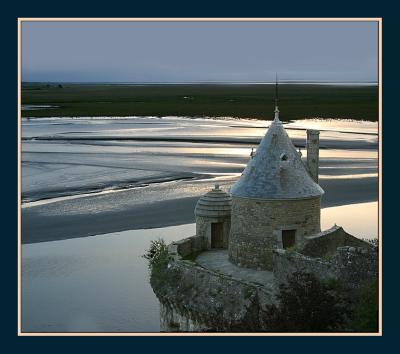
313, 153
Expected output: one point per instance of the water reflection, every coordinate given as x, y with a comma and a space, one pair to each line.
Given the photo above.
99, 153
100, 283
360, 220
95, 283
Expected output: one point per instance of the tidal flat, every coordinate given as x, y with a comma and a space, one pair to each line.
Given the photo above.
90, 176
125, 181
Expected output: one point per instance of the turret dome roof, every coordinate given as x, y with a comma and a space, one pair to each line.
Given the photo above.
216, 203
276, 170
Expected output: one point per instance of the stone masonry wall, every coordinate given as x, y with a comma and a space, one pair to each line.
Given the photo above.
285, 263
173, 321
352, 266
325, 243
256, 225
196, 299
356, 265
187, 246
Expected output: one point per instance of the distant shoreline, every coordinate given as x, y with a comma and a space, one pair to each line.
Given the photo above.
297, 100
299, 82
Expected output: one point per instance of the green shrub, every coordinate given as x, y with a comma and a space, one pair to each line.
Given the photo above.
157, 255
365, 316
247, 292
307, 305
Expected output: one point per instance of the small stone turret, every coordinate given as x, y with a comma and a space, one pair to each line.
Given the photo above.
313, 153
213, 218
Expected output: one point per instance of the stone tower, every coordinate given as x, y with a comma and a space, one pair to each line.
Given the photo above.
313, 153
213, 218
275, 203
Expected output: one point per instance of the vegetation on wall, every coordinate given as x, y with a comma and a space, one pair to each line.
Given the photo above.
365, 314
157, 256
307, 304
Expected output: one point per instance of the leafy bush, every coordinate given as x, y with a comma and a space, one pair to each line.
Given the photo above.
372, 242
157, 255
365, 316
307, 305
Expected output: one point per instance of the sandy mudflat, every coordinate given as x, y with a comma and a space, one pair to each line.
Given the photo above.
72, 188
98, 176
68, 219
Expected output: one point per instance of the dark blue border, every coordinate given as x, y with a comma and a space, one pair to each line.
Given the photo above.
391, 118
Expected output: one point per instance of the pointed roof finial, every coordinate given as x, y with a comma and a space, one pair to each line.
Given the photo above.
276, 119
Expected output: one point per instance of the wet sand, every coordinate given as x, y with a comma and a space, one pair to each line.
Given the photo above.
101, 187
83, 177
44, 222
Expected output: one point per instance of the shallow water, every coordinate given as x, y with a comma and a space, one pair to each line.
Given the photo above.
97, 283
34, 107
82, 155
360, 220
100, 283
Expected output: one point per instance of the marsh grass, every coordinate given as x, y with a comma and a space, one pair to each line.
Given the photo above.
202, 100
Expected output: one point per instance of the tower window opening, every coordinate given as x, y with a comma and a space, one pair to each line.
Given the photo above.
284, 157
288, 238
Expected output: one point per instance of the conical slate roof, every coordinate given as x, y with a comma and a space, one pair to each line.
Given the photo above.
276, 171
215, 203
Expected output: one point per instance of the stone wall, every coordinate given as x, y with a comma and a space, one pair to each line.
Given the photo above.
256, 227
285, 263
187, 246
356, 265
351, 266
194, 299
325, 243
173, 321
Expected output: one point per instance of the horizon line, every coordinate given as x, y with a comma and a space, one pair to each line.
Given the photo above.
200, 82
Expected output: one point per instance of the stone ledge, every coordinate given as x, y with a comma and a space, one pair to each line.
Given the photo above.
185, 247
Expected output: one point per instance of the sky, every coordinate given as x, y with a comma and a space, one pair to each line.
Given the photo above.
199, 51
